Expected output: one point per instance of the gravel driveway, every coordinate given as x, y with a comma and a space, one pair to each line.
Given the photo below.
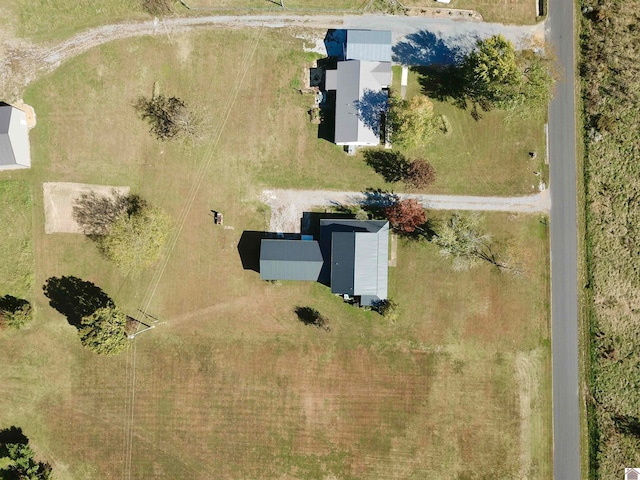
417, 40
287, 205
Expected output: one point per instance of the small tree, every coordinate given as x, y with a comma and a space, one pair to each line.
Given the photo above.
412, 122
168, 117
15, 312
388, 308
406, 216
420, 174
136, 238
461, 238
104, 331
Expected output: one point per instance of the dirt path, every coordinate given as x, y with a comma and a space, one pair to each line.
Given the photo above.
287, 205
23, 61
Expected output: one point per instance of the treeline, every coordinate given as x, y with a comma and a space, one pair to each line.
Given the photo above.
610, 75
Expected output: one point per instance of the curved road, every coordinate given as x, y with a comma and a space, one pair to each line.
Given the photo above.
564, 238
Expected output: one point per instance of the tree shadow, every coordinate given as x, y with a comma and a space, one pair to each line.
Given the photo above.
11, 435
424, 48
376, 201
335, 42
10, 303
444, 83
75, 298
370, 107
391, 164
310, 316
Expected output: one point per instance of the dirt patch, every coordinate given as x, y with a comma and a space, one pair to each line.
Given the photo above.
59, 198
29, 112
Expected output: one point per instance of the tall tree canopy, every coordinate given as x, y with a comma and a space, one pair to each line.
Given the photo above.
17, 458
136, 238
104, 331
496, 75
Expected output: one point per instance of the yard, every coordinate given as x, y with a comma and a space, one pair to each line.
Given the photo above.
231, 383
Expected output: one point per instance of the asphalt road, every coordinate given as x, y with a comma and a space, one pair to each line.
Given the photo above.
564, 236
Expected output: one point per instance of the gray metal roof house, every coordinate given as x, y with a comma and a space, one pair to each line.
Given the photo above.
372, 45
14, 139
360, 100
290, 260
358, 253
352, 257
360, 82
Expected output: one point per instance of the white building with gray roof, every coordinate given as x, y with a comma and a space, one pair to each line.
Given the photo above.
14, 139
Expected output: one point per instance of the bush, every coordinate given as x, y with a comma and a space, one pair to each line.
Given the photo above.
168, 117
387, 308
14, 312
104, 331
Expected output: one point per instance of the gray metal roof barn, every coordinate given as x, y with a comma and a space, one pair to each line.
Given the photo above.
372, 45
290, 260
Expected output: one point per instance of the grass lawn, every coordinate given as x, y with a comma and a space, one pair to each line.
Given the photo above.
231, 384
485, 157
16, 250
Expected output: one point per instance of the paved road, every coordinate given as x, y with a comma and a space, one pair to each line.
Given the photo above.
564, 276
287, 205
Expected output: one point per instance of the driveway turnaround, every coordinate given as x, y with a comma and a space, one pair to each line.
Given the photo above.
287, 206
564, 260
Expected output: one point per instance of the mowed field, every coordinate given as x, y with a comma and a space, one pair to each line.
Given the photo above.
230, 384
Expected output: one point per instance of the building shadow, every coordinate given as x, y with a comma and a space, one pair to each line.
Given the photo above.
75, 298
335, 42
327, 126
249, 246
310, 221
424, 48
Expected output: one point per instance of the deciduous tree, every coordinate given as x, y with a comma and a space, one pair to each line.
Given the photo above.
419, 174
460, 237
406, 216
136, 238
104, 331
14, 312
168, 117
412, 122
17, 458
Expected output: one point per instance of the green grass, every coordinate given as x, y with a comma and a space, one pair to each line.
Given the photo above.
485, 157
16, 249
233, 385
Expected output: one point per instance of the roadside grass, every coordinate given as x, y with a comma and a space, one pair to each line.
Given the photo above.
233, 384
485, 157
16, 248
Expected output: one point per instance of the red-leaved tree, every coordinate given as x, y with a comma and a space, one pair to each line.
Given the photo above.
405, 216
419, 174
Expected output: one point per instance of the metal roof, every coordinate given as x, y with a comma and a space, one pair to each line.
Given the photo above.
290, 260
359, 256
355, 80
372, 45
14, 139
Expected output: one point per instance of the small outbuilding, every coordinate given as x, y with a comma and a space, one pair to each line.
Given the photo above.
290, 260
371, 45
14, 139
